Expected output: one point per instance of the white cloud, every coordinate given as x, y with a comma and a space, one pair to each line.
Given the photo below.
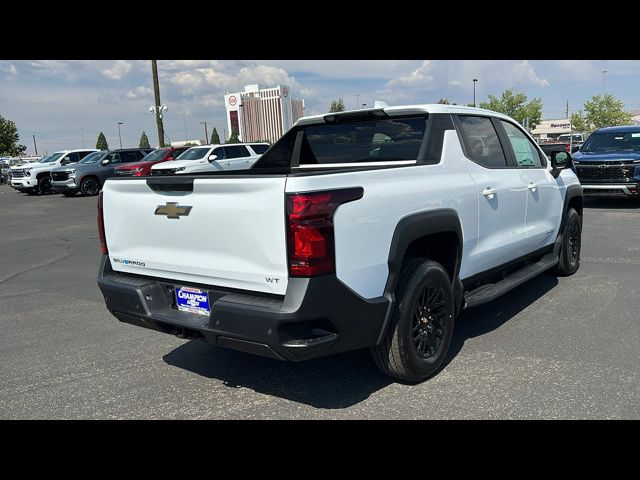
118, 70
141, 91
419, 77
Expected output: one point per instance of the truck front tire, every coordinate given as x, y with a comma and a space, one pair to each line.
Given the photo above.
571, 242
418, 336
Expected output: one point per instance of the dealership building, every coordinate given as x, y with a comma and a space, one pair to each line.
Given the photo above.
262, 114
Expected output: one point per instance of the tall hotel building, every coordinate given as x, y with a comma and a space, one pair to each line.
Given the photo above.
262, 114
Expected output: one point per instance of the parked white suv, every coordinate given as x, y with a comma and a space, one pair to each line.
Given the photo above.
211, 158
368, 228
36, 177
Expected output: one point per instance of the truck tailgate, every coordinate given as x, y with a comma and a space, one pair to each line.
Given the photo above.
232, 236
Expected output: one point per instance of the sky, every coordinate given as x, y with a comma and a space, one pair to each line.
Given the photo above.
66, 103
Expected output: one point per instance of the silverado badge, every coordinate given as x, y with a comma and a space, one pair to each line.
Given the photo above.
172, 210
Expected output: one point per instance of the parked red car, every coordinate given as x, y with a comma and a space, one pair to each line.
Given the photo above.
143, 167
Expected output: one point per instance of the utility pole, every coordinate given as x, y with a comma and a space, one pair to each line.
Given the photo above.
82, 135
357, 100
35, 147
156, 94
604, 83
567, 112
184, 118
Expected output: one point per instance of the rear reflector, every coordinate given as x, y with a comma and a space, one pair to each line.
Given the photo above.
310, 236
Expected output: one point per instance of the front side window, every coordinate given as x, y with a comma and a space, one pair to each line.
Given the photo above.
219, 153
525, 152
92, 157
193, 154
155, 155
379, 140
113, 157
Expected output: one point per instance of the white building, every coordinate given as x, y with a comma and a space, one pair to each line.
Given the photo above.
551, 129
262, 114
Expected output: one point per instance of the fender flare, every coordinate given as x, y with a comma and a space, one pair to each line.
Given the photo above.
572, 192
413, 227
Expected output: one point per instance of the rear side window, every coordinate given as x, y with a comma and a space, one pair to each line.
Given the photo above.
380, 140
259, 149
481, 141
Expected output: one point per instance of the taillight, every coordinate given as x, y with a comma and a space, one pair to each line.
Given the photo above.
310, 238
568, 148
103, 242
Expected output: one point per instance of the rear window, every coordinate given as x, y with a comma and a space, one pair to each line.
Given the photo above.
380, 140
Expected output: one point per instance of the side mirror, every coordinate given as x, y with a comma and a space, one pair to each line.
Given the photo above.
212, 157
65, 161
106, 161
559, 161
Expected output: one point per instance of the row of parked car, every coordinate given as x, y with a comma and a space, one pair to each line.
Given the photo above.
85, 170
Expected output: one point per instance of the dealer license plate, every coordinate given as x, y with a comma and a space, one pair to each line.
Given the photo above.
192, 300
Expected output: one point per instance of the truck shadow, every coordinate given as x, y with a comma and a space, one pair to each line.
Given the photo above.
491, 316
343, 380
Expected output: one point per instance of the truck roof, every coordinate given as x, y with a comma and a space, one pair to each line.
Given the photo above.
620, 129
406, 110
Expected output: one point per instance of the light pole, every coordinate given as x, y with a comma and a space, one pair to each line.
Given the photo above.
119, 136
604, 83
357, 100
35, 147
206, 132
474, 91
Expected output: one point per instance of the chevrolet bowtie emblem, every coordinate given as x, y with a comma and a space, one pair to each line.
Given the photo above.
172, 210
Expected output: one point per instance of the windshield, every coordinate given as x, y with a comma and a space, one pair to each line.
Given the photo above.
52, 158
92, 157
611, 141
155, 155
194, 154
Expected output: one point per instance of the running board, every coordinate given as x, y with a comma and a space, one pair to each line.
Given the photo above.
490, 291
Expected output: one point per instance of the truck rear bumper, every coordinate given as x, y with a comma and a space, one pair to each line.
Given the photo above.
316, 317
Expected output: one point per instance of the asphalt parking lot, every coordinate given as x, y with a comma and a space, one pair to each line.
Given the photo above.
553, 348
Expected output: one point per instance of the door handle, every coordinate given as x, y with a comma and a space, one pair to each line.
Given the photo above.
532, 186
489, 192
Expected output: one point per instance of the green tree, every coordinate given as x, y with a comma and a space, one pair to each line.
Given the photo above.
601, 112
215, 138
144, 141
443, 101
515, 105
234, 137
336, 106
9, 137
579, 123
101, 144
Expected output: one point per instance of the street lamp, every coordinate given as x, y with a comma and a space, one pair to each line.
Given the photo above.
364, 105
119, 136
206, 132
474, 91
604, 83
35, 147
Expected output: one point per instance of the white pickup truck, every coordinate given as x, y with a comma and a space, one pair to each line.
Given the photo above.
368, 228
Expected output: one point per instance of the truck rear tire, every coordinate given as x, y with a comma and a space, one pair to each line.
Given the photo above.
418, 336
571, 242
